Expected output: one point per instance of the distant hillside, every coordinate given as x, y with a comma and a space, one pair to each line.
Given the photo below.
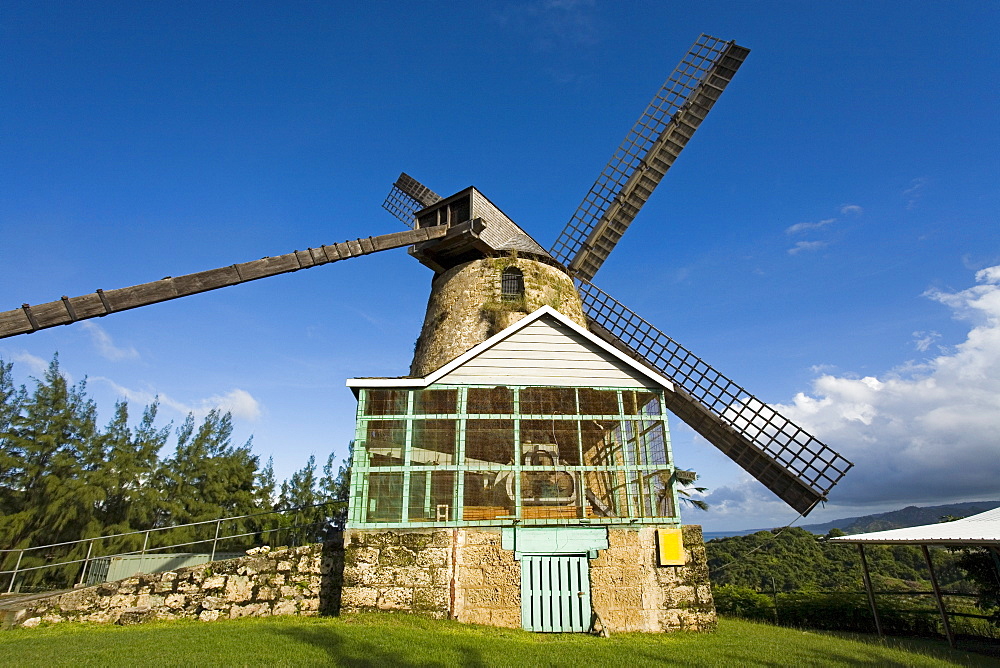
910, 516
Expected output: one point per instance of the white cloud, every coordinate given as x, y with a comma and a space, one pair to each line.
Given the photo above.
36, 365
922, 340
106, 346
239, 402
923, 432
913, 194
806, 246
802, 227
851, 209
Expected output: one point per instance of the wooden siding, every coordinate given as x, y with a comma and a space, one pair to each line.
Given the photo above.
546, 353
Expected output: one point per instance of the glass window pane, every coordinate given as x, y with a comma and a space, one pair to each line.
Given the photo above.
602, 442
598, 402
434, 442
653, 440
605, 494
489, 441
650, 403
550, 443
432, 496
385, 441
435, 402
488, 495
548, 401
490, 400
385, 402
385, 497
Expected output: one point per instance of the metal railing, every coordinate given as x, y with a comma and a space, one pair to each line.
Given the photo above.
316, 524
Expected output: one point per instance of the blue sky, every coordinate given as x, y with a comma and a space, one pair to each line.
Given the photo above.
825, 239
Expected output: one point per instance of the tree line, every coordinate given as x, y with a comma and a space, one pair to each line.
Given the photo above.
64, 477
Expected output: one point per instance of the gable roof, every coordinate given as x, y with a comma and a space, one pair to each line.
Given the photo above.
586, 359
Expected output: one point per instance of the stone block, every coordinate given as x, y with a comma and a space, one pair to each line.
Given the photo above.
148, 601
431, 599
284, 566
505, 575
362, 574
506, 617
492, 597
249, 610
395, 598
213, 603
471, 577
474, 616
101, 617
481, 537
81, 599
118, 601
209, 615
397, 556
309, 564
175, 600
238, 588
415, 540
266, 594
137, 615
285, 607
289, 591
440, 539
107, 589
214, 582
358, 598
431, 557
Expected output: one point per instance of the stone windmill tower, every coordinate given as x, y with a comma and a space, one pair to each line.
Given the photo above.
521, 473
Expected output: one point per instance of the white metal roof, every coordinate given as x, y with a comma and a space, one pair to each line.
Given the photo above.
981, 529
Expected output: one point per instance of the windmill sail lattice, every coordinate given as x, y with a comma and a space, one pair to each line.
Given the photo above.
648, 151
407, 197
773, 449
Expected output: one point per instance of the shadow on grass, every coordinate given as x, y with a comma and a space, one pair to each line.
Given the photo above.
348, 649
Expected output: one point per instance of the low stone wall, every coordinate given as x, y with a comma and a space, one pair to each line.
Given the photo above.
461, 574
295, 581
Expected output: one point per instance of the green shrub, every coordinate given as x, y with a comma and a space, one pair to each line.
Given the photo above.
743, 602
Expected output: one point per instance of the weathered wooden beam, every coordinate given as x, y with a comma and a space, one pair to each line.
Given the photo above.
67, 310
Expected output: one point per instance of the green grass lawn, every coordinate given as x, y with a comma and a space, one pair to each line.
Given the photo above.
402, 640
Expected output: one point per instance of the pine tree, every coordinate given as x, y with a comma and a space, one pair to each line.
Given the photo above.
11, 400
130, 461
53, 443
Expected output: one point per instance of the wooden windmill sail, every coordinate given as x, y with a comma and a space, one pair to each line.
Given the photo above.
449, 232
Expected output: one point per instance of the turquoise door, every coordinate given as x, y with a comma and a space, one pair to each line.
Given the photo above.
555, 593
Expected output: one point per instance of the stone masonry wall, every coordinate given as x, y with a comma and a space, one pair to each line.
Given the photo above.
295, 581
465, 307
460, 574
464, 574
631, 593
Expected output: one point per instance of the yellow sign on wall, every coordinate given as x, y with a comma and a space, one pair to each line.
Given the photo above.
670, 547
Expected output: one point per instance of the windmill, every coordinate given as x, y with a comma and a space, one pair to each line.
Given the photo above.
790, 462
467, 241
